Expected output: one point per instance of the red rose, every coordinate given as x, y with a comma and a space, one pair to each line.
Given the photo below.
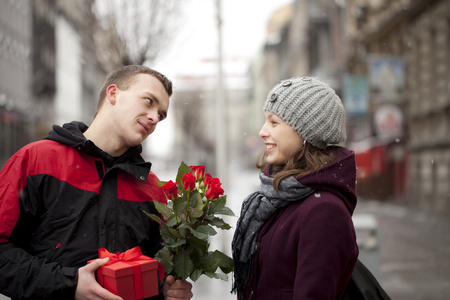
189, 181
214, 189
207, 179
215, 181
199, 171
170, 189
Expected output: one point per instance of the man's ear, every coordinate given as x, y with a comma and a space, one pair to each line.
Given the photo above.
111, 93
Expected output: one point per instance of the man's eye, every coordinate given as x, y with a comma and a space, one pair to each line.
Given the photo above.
150, 101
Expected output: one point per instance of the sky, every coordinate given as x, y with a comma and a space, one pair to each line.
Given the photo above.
244, 25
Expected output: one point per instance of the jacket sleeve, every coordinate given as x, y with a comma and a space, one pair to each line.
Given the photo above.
22, 275
326, 253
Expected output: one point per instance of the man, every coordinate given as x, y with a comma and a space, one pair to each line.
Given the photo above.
84, 188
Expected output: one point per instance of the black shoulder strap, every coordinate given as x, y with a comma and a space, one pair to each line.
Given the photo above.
363, 285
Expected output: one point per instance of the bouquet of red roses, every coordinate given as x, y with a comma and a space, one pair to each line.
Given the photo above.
188, 219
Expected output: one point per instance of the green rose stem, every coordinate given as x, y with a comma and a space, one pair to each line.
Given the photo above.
176, 217
206, 204
187, 206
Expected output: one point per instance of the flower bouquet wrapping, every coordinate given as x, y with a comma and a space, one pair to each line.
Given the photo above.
188, 220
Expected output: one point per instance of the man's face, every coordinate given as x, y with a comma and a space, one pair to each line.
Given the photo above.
138, 109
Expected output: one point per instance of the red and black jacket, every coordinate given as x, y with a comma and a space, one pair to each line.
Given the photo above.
61, 199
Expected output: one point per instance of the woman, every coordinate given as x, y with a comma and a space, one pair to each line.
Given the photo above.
295, 237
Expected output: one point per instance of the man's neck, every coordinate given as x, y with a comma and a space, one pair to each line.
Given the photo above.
104, 140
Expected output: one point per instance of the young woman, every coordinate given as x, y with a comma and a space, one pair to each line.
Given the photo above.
295, 237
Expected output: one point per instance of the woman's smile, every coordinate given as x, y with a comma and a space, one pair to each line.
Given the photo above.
280, 139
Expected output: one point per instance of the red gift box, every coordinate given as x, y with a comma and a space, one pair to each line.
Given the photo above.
126, 273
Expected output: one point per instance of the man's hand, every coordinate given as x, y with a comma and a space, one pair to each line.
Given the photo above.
175, 290
88, 287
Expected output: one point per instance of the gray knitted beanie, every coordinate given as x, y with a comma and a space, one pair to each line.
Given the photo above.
311, 107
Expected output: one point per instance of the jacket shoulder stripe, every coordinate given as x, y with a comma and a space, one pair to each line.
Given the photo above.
64, 163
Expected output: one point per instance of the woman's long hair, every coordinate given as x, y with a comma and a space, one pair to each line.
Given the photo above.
307, 159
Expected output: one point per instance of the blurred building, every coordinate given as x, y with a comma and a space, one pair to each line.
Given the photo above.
66, 73
48, 68
402, 48
15, 76
389, 62
304, 38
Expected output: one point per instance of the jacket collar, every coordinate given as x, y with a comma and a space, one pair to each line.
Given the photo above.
71, 134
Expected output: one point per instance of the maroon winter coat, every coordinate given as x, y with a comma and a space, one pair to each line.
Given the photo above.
308, 249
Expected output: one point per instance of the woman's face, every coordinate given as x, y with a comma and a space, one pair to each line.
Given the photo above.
281, 140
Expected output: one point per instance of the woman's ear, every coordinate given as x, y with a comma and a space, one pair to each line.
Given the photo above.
111, 93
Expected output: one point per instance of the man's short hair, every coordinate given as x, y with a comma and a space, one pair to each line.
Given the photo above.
124, 77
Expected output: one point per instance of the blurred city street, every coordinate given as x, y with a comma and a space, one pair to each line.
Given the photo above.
415, 250
388, 61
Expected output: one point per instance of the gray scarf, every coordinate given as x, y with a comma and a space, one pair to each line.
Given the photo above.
256, 210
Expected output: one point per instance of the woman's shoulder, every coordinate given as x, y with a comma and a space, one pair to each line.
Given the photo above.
321, 201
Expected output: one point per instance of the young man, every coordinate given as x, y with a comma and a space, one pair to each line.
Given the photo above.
84, 188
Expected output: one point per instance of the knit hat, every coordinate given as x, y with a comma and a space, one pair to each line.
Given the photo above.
311, 108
